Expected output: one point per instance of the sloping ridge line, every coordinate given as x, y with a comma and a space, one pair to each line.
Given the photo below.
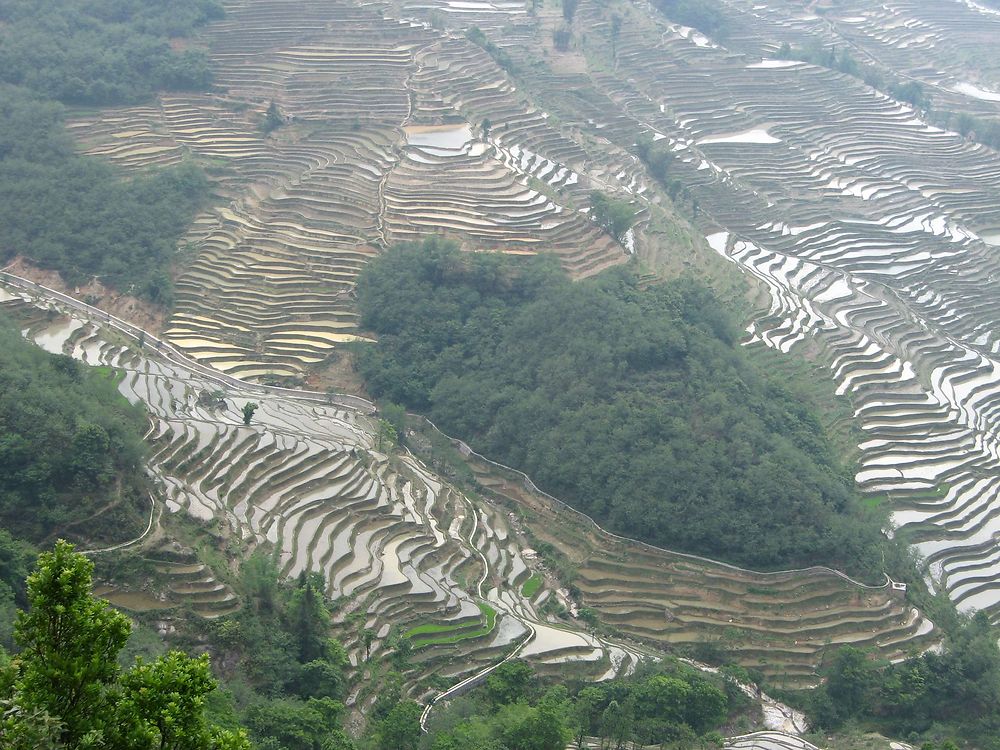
531, 486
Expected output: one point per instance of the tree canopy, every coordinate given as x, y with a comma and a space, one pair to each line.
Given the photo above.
106, 52
635, 405
78, 214
70, 445
66, 690
665, 702
954, 691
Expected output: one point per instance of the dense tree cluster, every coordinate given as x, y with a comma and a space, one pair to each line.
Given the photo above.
613, 215
500, 56
77, 214
707, 16
70, 444
980, 129
106, 52
666, 703
287, 675
953, 692
841, 60
66, 691
636, 406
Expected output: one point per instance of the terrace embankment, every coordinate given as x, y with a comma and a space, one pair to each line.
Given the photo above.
872, 231
408, 552
780, 623
399, 547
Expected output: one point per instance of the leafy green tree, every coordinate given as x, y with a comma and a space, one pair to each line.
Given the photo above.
586, 713
400, 729
706, 706
259, 575
614, 216
291, 724
545, 729
70, 641
16, 558
162, 705
851, 678
395, 415
471, 734
665, 697
325, 677
273, 119
310, 621
368, 638
616, 723
21, 729
248, 411
66, 683
615, 32
387, 435
511, 682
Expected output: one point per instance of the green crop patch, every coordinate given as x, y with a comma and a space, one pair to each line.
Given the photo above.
531, 586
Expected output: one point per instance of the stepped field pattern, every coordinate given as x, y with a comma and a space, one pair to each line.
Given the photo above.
873, 232
385, 143
404, 547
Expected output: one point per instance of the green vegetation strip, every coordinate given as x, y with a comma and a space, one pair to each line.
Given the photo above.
443, 634
531, 586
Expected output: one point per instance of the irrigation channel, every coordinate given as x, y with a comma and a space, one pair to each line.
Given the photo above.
389, 535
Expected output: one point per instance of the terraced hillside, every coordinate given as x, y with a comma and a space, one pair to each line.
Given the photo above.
948, 46
394, 131
873, 233
779, 623
454, 573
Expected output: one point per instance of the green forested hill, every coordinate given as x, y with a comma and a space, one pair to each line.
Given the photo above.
70, 447
73, 213
101, 52
636, 406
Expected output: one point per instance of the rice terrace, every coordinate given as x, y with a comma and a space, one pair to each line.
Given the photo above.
530, 359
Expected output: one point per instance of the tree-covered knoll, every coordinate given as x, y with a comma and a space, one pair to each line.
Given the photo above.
100, 52
636, 406
70, 447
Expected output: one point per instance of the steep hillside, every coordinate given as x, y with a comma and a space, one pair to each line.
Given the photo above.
71, 455
634, 405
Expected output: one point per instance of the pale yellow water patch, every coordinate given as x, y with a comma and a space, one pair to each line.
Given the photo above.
326, 335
